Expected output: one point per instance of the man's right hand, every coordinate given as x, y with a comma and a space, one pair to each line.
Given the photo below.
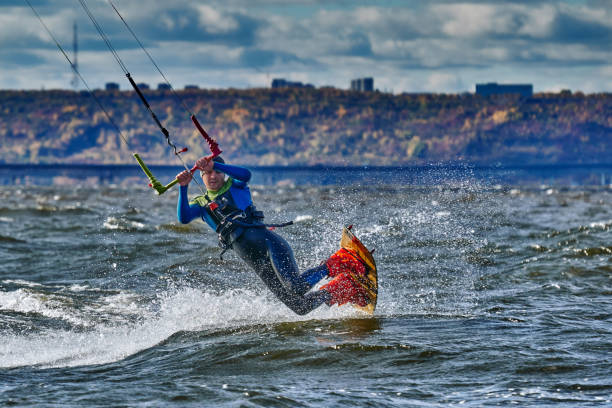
184, 177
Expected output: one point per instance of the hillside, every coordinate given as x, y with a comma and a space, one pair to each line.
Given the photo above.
309, 126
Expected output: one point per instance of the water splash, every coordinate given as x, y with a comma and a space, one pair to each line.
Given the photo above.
184, 309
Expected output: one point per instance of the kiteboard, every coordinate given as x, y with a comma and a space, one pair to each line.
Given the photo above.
370, 281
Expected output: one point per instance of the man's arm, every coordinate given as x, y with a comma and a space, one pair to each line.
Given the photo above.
235, 172
185, 212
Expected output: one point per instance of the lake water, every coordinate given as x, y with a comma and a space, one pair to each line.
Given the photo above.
432, 175
495, 290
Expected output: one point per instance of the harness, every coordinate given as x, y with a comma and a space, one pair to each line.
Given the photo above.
232, 221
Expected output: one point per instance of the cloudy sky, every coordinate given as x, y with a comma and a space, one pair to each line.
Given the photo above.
406, 45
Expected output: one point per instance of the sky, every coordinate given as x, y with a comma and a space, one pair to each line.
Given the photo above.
438, 46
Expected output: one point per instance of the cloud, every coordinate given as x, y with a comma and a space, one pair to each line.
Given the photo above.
214, 21
441, 81
470, 20
16, 59
437, 41
581, 29
39, 4
196, 23
262, 59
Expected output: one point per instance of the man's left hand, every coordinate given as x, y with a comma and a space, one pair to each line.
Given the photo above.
205, 164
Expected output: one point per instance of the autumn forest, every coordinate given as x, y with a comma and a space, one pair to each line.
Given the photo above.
325, 126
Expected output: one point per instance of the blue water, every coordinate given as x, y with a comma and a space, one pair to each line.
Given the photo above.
532, 175
495, 290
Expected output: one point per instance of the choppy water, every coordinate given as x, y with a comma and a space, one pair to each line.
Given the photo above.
488, 296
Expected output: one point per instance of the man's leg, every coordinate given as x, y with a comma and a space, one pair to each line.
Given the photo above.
283, 262
307, 303
314, 275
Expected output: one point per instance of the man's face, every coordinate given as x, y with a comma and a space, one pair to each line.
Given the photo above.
213, 180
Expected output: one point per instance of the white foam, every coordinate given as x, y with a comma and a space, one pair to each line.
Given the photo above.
372, 229
79, 288
301, 218
113, 223
22, 282
119, 304
26, 301
601, 224
186, 309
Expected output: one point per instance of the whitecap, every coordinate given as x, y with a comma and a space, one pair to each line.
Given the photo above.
113, 223
600, 224
301, 218
122, 303
79, 288
48, 305
186, 309
22, 282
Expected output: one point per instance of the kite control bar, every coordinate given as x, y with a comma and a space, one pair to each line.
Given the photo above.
159, 187
212, 144
153, 182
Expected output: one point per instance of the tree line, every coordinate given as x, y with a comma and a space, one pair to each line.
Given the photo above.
325, 126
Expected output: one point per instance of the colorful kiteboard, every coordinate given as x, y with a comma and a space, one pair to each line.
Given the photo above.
370, 281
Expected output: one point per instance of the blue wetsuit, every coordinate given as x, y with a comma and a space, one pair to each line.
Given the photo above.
265, 251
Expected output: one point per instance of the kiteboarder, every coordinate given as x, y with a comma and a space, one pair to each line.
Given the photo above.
228, 209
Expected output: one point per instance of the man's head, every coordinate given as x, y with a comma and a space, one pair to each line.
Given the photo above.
214, 180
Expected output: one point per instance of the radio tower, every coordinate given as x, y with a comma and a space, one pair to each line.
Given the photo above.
75, 64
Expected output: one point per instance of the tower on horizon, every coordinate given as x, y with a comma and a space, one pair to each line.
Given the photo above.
75, 65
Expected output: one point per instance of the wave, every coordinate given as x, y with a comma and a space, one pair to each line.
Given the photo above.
4, 238
41, 210
122, 224
48, 305
186, 309
303, 218
590, 252
593, 227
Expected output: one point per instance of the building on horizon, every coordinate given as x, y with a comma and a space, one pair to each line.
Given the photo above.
191, 87
163, 87
111, 86
493, 88
143, 85
283, 83
362, 84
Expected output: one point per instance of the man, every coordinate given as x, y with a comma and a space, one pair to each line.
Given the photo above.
228, 209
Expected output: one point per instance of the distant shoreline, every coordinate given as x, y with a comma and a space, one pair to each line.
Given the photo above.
299, 127
453, 165
450, 174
